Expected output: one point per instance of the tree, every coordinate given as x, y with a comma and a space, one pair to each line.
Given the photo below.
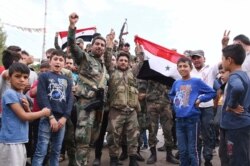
2, 42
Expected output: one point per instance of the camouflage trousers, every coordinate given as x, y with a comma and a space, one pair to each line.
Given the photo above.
143, 125
143, 120
87, 130
158, 112
119, 122
69, 140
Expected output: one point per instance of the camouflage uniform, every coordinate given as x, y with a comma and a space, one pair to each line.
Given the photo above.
69, 140
124, 105
91, 72
69, 137
142, 116
158, 106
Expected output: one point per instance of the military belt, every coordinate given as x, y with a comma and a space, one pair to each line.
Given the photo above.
128, 110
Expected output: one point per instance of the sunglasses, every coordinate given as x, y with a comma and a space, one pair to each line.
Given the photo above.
75, 16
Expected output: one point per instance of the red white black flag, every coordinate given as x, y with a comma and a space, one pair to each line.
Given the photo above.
86, 34
159, 62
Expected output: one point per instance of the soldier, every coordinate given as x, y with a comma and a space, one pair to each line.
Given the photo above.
142, 87
158, 106
99, 142
141, 116
124, 105
89, 91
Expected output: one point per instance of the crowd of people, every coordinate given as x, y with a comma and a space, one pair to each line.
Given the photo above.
81, 94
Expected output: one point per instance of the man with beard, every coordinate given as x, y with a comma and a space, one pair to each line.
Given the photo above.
124, 105
207, 73
92, 80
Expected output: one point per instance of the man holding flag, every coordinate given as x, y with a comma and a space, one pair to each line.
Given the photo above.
158, 104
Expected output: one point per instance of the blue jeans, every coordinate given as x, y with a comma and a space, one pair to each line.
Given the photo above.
187, 132
145, 138
44, 137
207, 133
235, 147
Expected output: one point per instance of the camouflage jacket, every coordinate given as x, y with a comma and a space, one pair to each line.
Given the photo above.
157, 92
123, 90
91, 69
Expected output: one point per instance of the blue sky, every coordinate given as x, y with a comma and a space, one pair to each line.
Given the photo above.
180, 24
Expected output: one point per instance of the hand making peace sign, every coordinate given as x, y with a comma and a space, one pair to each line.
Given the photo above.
225, 39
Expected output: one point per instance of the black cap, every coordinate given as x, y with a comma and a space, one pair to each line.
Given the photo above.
127, 45
96, 34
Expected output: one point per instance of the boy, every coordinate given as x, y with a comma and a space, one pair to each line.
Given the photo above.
8, 57
186, 94
222, 80
33, 130
235, 121
16, 113
54, 92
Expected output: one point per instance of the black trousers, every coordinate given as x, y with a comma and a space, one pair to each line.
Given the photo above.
100, 140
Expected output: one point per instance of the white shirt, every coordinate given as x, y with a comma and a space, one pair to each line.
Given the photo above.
246, 64
208, 75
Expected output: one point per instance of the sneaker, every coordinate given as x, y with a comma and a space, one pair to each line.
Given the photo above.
177, 155
144, 147
62, 157
96, 162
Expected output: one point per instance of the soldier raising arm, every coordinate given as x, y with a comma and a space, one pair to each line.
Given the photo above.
92, 78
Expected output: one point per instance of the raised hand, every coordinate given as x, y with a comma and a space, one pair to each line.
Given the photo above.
110, 38
138, 48
225, 39
73, 18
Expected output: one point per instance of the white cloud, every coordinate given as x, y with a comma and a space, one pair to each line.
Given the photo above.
155, 4
180, 24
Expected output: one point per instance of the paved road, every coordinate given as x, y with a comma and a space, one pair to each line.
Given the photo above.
161, 156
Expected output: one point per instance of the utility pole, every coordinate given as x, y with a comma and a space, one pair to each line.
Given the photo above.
44, 31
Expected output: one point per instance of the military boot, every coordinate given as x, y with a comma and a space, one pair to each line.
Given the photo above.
138, 155
208, 163
72, 162
170, 158
113, 161
72, 159
162, 149
124, 154
132, 161
153, 157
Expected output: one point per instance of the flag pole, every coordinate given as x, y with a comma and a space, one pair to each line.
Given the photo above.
44, 31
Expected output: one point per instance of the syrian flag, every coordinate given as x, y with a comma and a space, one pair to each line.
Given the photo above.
159, 63
86, 34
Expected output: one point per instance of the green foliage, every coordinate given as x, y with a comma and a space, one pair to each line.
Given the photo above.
35, 67
2, 42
